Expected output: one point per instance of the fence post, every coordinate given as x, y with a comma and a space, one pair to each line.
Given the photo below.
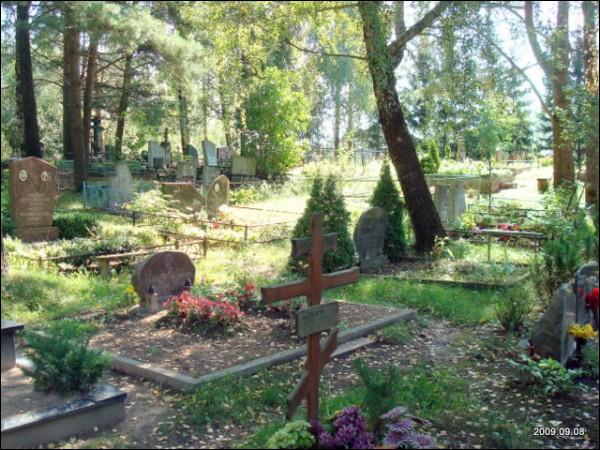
205, 246
246, 234
133, 218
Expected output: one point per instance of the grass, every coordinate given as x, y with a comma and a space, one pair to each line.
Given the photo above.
39, 296
461, 306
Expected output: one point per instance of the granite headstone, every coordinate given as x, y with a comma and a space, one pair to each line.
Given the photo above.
369, 237
33, 189
209, 150
122, 189
161, 276
184, 197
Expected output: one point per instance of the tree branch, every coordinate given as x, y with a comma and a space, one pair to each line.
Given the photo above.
535, 45
323, 53
396, 48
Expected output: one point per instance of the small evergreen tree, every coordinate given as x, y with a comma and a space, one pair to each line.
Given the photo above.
387, 196
326, 197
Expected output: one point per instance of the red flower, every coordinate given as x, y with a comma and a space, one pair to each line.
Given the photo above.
591, 300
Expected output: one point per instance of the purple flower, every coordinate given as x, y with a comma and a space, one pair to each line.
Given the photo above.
395, 413
421, 441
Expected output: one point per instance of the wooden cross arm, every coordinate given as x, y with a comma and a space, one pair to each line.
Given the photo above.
302, 389
302, 246
341, 278
283, 292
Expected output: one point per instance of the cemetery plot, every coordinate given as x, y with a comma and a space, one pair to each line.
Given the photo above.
155, 338
462, 273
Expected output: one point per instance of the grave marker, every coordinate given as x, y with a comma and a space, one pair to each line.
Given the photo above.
33, 189
157, 156
184, 197
122, 189
209, 150
241, 165
318, 354
218, 194
162, 275
369, 236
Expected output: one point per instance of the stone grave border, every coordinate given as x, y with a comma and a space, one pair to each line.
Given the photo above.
100, 408
349, 341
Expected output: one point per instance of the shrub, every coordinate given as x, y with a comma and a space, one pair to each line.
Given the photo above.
76, 225
326, 197
8, 226
62, 361
293, 435
349, 431
430, 161
547, 376
401, 432
513, 309
381, 391
387, 196
589, 363
201, 315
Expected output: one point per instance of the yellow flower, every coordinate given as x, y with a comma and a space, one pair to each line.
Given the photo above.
582, 331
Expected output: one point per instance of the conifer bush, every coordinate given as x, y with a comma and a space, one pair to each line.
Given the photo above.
387, 196
62, 360
326, 197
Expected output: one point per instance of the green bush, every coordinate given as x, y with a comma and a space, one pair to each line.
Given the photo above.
589, 364
430, 161
62, 361
326, 197
293, 435
382, 387
513, 309
76, 225
547, 376
8, 227
387, 196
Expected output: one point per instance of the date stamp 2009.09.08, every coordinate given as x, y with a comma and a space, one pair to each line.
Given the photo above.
559, 432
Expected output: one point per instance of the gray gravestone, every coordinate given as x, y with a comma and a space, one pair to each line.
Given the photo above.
241, 165
33, 189
369, 237
442, 200
122, 189
158, 155
184, 197
550, 336
192, 152
209, 174
218, 195
186, 170
209, 150
161, 276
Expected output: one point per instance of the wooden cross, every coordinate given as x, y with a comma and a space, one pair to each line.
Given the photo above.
316, 318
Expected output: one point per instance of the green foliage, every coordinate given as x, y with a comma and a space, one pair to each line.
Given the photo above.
326, 197
293, 435
387, 196
514, 307
430, 161
398, 334
8, 227
589, 363
62, 361
276, 115
76, 225
381, 392
547, 376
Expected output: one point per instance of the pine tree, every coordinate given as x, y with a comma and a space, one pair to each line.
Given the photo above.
387, 196
326, 197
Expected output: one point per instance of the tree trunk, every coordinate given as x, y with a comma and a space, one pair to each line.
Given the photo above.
425, 218
4, 260
590, 61
73, 90
183, 122
30, 145
90, 79
123, 105
556, 70
337, 117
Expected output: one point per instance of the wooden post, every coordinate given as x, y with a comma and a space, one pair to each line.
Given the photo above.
314, 246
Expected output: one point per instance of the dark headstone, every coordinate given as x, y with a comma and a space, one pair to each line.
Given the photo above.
192, 153
33, 189
161, 276
218, 194
369, 237
550, 336
184, 197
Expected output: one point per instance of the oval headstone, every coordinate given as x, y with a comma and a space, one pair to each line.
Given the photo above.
218, 194
369, 237
161, 276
